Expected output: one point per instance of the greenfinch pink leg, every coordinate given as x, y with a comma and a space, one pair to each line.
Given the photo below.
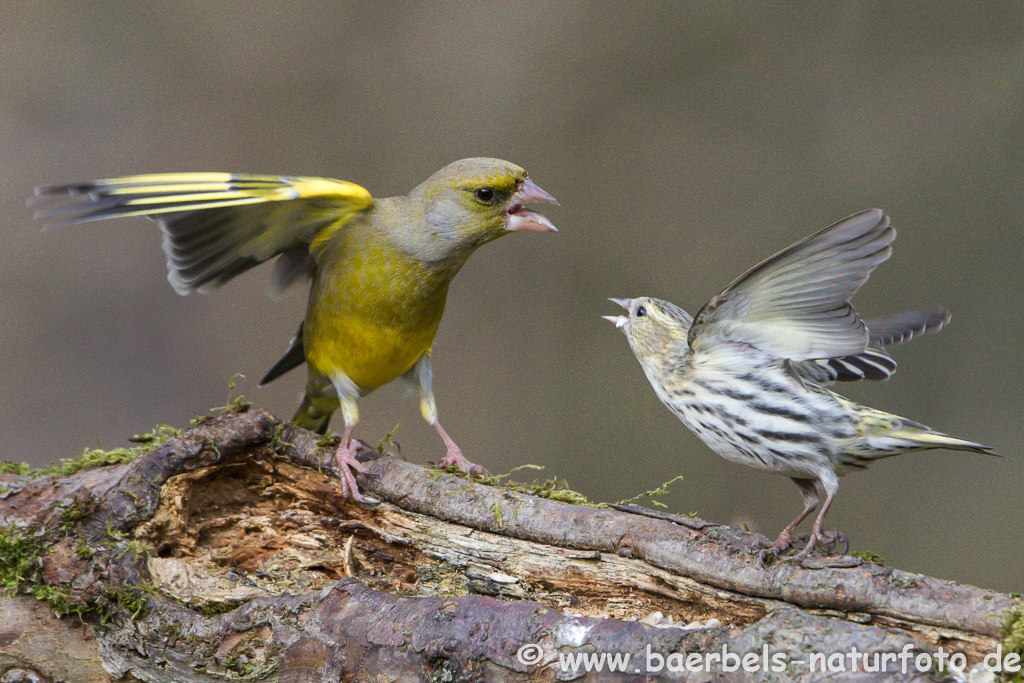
349, 468
453, 457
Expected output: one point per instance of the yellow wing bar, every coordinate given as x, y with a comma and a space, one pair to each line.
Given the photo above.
163, 193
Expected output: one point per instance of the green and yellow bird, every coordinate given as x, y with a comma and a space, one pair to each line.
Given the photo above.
379, 268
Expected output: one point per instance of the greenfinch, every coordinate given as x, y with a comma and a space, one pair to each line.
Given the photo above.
747, 374
379, 269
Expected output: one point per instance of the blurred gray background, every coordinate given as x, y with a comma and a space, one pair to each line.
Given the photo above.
686, 142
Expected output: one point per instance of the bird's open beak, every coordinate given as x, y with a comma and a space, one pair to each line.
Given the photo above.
518, 217
618, 320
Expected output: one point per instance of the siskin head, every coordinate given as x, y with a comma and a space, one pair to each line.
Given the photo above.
651, 326
474, 201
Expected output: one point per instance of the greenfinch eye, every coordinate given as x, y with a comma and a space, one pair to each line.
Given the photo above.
484, 194
641, 311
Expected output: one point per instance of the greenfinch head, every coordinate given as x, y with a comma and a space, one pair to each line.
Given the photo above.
474, 201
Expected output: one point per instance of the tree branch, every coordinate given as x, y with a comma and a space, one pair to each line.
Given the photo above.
227, 553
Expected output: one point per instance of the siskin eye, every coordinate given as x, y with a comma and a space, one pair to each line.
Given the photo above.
641, 311
484, 194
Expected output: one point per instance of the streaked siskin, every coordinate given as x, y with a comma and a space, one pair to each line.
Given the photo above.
748, 373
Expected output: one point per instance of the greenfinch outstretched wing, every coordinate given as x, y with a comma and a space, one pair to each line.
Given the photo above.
218, 225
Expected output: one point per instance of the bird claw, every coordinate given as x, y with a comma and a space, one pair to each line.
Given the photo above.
765, 553
348, 469
454, 458
774, 551
825, 541
829, 540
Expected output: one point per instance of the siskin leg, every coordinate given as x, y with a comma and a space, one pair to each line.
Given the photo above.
809, 492
424, 375
825, 541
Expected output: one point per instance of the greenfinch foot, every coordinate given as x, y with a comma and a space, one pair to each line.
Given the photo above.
349, 468
454, 458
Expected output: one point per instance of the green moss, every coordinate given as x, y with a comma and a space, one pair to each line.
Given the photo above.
98, 457
21, 564
499, 513
328, 441
138, 549
83, 551
235, 404
133, 599
868, 556
61, 600
552, 489
277, 443
1013, 635
113, 536
77, 509
20, 558
388, 445
157, 436
213, 609
200, 420
11, 467
649, 495
95, 457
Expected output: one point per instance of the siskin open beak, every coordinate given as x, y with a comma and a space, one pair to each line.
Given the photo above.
622, 302
618, 320
518, 217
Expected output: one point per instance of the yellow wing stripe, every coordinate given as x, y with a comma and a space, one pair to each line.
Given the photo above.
166, 193
267, 188
198, 198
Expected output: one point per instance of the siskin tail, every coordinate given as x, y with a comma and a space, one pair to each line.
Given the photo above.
883, 435
924, 438
314, 414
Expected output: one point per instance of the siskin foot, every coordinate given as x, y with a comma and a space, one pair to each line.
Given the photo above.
826, 541
777, 549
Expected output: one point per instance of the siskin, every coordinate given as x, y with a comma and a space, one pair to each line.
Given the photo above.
747, 374
379, 269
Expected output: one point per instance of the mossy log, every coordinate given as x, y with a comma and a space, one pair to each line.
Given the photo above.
226, 553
